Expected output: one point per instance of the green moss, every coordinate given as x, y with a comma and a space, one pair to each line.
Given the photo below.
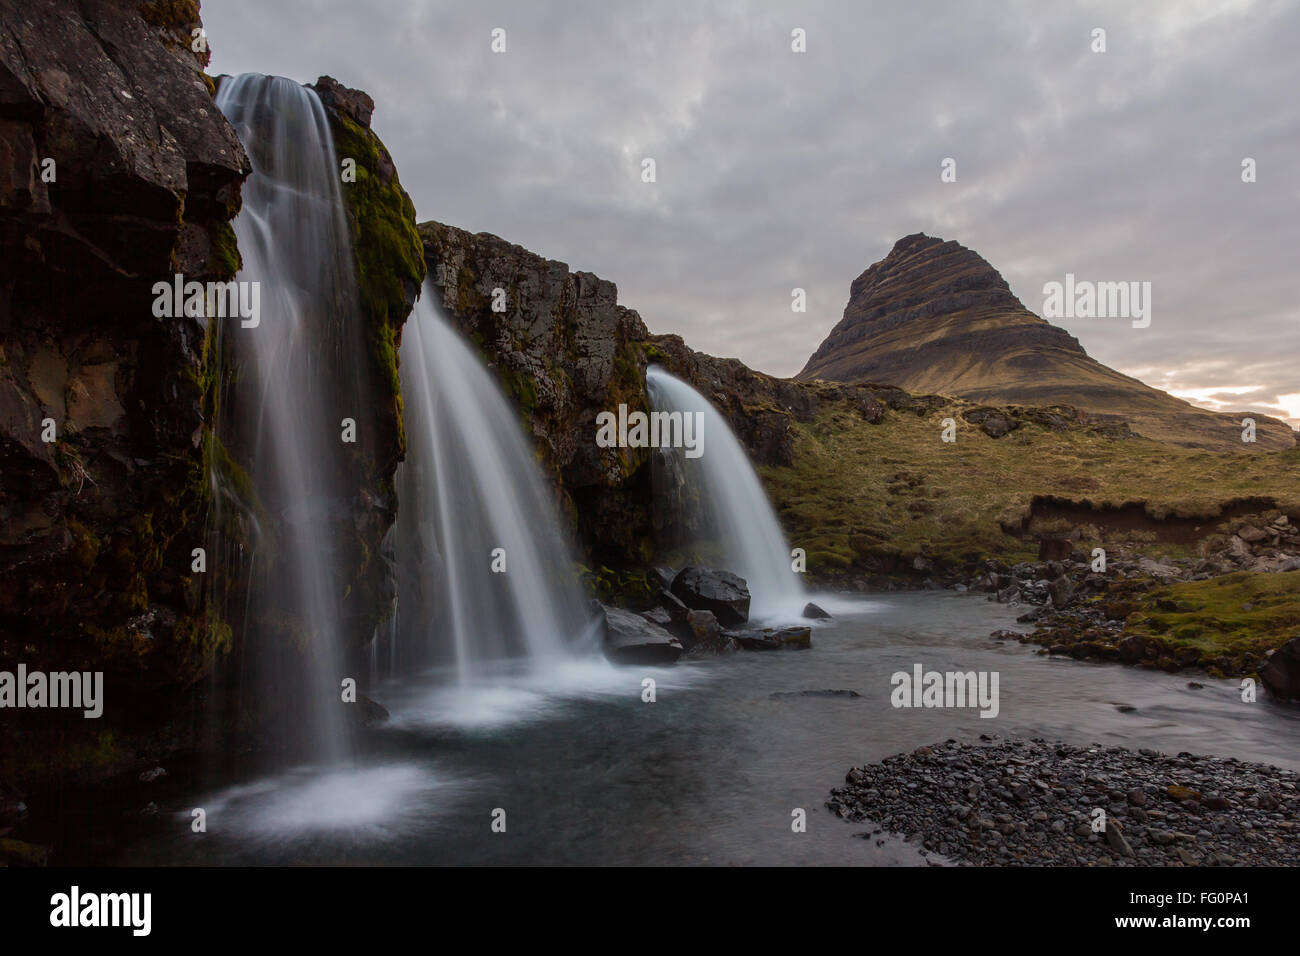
389, 253
521, 387
1225, 623
85, 546
628, 588
135, 598
199, 640
654, 354
225, 259
17, 853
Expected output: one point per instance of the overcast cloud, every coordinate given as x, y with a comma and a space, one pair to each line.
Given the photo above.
778, 169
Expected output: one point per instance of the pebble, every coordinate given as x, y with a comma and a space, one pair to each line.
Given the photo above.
1019, 802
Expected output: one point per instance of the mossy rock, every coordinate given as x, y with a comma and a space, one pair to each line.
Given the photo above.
389, 253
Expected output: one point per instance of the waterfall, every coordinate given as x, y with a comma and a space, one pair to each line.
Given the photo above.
721, 514
486, 577
297, 375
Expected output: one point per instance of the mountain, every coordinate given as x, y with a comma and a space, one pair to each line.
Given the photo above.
935, 317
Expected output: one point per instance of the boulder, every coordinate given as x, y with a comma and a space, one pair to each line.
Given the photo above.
704, 627
1281, 672
662, 578
723, 593
658, 616
631, 639
677, 611
994, 422
1061, 590
813, 612
755, 640
706, 636
794, 638
773, 638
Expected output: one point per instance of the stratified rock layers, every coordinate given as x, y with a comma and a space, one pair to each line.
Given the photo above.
933, 317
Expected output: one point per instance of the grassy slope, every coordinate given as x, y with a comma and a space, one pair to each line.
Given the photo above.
859, 490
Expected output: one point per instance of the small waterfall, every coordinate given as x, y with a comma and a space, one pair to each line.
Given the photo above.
473, 499
722, 515
297, 377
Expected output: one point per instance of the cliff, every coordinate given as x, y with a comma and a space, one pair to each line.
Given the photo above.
117, 171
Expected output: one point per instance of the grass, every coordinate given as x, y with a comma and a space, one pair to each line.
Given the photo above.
863, 495
1236, 615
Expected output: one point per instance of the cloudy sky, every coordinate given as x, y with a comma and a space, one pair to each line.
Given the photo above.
778, 169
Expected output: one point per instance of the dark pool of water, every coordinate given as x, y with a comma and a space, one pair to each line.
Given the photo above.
710, 773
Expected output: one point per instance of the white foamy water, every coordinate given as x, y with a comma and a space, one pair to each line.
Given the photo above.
356, 803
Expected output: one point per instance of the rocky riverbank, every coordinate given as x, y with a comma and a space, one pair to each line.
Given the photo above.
1015, 802
1203, 614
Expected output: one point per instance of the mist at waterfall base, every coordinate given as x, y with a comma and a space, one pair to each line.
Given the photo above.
714, 509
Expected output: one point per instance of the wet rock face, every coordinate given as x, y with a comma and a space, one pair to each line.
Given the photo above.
724, 594
1281, 672
632, 639
116, 171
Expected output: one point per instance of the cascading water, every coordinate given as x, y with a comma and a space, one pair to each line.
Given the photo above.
486, 577
722, 510
297, 377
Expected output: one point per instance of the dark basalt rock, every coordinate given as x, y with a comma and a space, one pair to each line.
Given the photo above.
994, 422
813, 612
723, 593
677, 611
773, 638
755, 640
1281, 672
631, 639
96, 527
707, 638
661, 577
